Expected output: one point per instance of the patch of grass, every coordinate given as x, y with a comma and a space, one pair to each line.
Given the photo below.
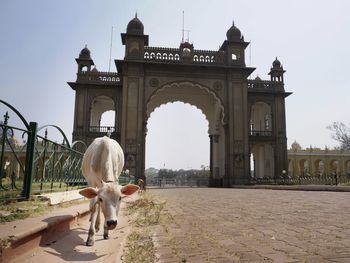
145, 212
140, 248
24, 209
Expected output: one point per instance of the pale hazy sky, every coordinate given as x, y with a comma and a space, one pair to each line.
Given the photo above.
40, 40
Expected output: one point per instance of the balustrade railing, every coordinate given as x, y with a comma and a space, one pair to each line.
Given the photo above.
258, 133
175, 55
98, 77
261, 84
101, 129
177, 182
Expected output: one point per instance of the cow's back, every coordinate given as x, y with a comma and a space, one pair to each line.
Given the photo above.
103, 161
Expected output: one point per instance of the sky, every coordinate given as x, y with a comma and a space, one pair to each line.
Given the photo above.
40, 40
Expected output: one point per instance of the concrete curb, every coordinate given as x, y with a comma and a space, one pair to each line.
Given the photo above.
21, 236
61, 197
296, 187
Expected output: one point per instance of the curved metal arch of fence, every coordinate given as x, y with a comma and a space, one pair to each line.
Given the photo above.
59, 129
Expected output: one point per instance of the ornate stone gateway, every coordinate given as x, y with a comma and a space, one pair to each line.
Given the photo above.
246, 117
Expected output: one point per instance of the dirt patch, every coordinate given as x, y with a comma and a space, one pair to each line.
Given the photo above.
144, 213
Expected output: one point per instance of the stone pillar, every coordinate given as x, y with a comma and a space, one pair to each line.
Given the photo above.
133, 125
216, 179
211, 160
238, 133
280, 153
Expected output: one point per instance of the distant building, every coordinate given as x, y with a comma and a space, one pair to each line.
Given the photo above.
317, 162
246, 117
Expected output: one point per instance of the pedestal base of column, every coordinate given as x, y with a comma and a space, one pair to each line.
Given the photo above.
215, 182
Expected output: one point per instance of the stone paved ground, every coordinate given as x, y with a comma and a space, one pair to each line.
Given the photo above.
245, 225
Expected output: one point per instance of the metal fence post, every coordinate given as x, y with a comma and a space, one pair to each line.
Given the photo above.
336, 178
27, 182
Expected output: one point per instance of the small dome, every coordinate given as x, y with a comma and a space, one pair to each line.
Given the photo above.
276, 63
186, 45
295, 146
94, 69
258, 78
135, 27
85, 53
13, 141
233, 34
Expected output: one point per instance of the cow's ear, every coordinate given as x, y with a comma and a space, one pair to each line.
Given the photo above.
88, 192
129, 189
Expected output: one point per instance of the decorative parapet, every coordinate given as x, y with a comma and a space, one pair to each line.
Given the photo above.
98, 77
175, 55
261, 84
265, 85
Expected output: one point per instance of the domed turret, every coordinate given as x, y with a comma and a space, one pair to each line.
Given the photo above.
233, 34
85, 53
134, 39
276, 63
277, 71
135, 26
84, 61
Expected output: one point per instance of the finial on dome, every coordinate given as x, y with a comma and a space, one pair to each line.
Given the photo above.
85, 53
234, 34
135, 26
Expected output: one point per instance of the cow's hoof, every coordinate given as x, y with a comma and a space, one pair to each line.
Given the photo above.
105, 236
90, 242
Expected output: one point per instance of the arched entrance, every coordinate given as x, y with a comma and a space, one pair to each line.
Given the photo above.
177, 146
210, 105
99, 106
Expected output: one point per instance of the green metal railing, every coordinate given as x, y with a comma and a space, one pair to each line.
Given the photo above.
37, 164
332, 179
56, 166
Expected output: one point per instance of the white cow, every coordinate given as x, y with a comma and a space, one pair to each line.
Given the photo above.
102, 164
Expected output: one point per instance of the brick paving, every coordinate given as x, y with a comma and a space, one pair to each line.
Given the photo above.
252, 225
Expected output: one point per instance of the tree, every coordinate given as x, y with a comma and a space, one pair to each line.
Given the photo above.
341, 133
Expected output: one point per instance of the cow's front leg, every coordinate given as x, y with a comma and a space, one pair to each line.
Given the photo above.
91, 235
105, 232
98, 219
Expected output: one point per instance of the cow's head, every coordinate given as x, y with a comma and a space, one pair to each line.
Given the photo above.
109, 197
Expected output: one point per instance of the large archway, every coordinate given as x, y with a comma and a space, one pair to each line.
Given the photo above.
215, 81
212, 108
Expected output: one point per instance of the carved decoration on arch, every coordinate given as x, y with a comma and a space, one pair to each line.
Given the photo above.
214, 117
217, 85
268, 101
154, 82
92, 97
